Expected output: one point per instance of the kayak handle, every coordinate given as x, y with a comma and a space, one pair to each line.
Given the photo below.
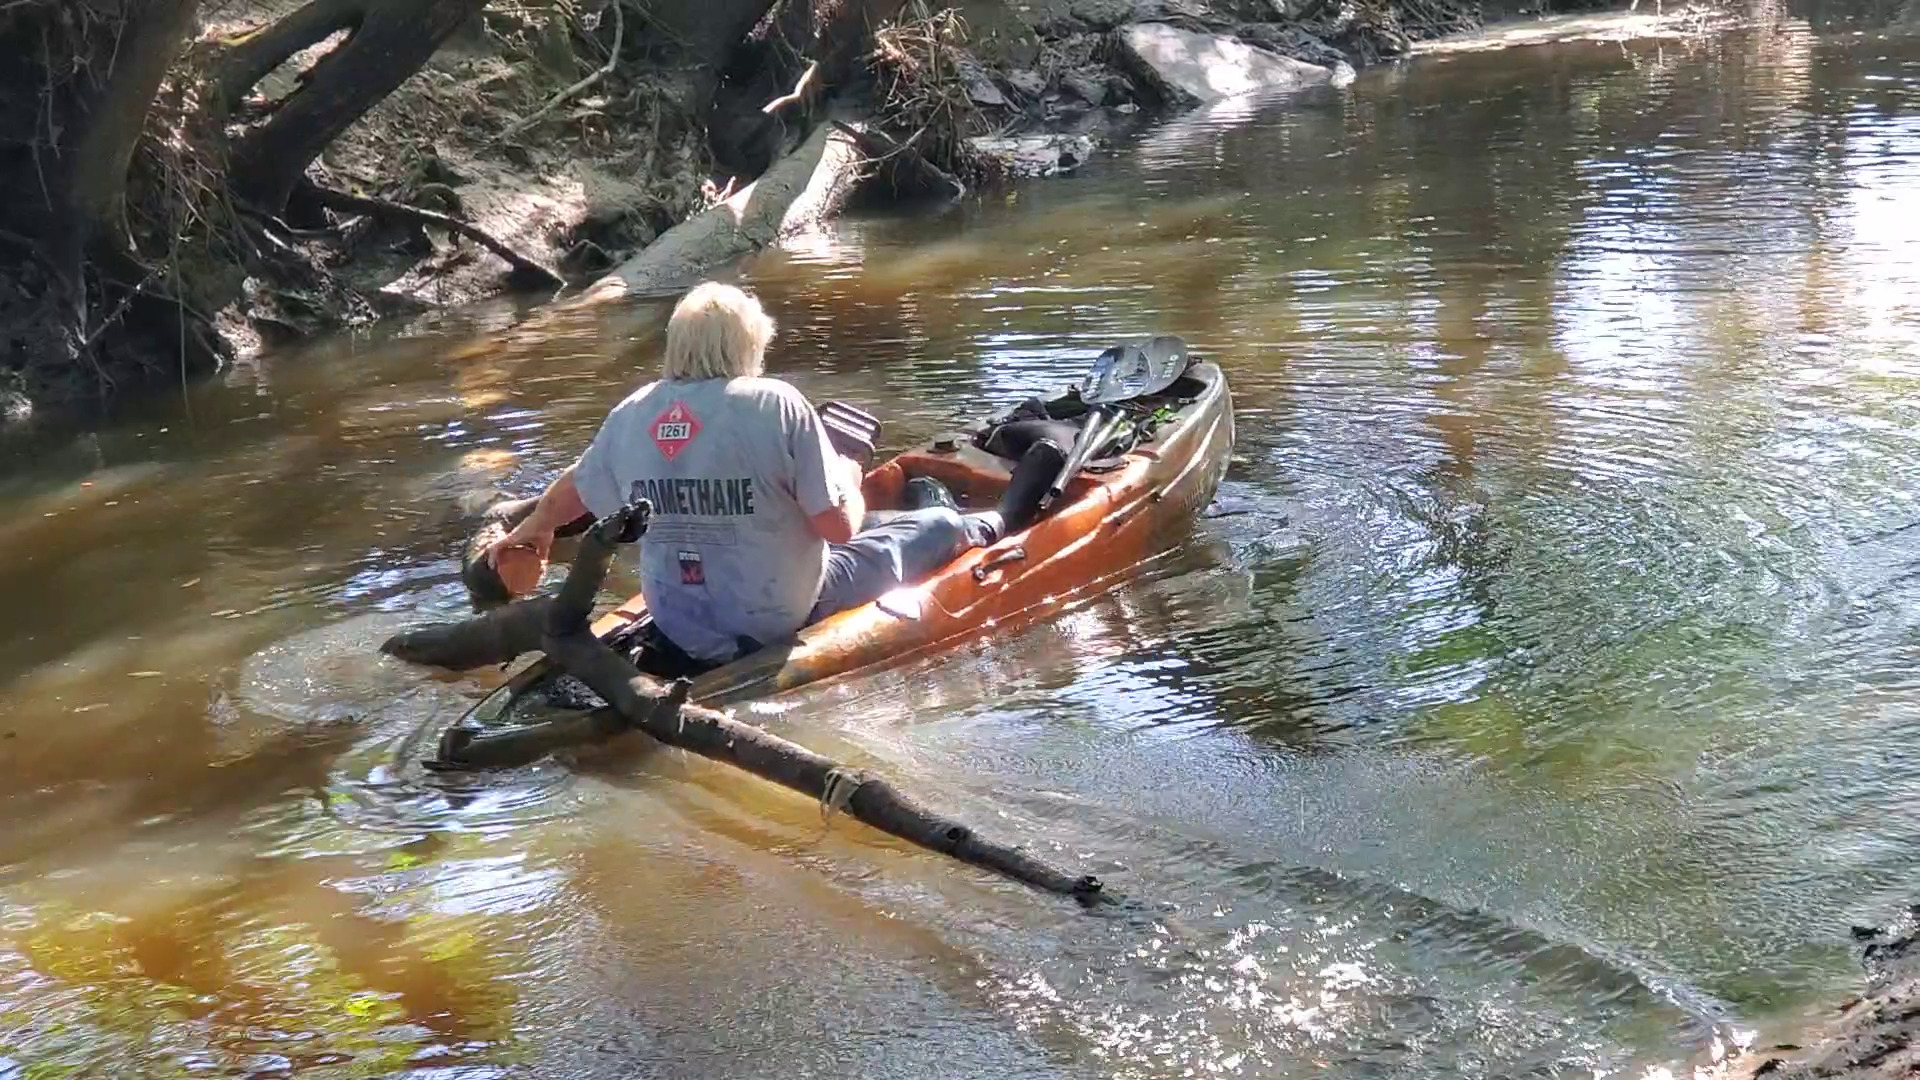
988, 566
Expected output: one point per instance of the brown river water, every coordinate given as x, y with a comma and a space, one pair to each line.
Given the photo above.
1539, 697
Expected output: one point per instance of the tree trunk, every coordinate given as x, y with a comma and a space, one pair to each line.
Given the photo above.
253, 56
388, 41
83, 87
801, 190
85, 79
143, 50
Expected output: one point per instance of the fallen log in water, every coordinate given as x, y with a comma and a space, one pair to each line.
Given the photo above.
799, 191
558, 626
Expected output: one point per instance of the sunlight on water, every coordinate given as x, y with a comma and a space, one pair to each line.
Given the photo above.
1532, 700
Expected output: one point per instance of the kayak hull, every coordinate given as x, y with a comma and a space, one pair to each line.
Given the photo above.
1105, 524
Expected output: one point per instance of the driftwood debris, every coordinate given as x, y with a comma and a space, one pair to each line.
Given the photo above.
558, 625
906, 169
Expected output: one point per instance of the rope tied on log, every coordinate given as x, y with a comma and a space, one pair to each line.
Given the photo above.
841, 784
558, 626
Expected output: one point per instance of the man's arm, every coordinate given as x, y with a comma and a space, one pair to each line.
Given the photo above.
826, 484
838, 523
558, 505
588, 483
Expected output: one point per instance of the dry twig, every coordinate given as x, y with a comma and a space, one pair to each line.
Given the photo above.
917, 61
561, 98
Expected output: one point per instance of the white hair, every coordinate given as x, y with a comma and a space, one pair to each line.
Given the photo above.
717, 332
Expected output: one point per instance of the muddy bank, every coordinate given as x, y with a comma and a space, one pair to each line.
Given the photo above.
270, 170
285, 181
1875, 1036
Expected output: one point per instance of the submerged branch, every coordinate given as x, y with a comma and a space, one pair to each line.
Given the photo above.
909, 168
559, 626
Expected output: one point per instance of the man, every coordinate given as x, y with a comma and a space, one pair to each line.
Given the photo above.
756, 527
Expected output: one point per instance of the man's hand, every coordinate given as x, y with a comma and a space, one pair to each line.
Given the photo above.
530, 533
559, 504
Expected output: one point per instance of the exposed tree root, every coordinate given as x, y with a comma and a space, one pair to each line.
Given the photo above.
564, 96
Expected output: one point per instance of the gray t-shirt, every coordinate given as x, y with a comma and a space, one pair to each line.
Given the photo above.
733, 468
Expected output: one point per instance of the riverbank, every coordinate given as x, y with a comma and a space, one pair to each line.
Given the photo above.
548, 145
1875, 1036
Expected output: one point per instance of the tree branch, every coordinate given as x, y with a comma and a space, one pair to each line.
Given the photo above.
613, 58
800, 89
389, 41
392, 211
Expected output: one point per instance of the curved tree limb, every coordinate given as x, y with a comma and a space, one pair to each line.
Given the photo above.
390, 41
341, 200
252, 56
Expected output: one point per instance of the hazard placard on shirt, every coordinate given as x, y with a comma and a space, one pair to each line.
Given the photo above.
674, 429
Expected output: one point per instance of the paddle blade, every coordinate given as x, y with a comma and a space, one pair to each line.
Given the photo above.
1125, 372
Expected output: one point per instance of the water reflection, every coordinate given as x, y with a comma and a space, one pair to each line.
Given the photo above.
1533, 704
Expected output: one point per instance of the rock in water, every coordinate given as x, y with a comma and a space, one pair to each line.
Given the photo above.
978, 84
1030, 83
1185, 69
1086, 86
1024, 156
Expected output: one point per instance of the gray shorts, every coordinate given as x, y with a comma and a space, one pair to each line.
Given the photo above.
891, 550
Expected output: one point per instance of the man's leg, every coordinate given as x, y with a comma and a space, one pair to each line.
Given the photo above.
905, 548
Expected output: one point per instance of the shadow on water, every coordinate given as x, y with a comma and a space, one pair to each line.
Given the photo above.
1533, 700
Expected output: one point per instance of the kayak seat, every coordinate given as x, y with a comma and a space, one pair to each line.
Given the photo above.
1013, 439
1060, 420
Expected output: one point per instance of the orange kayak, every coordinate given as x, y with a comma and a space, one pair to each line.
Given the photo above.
1112, 516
